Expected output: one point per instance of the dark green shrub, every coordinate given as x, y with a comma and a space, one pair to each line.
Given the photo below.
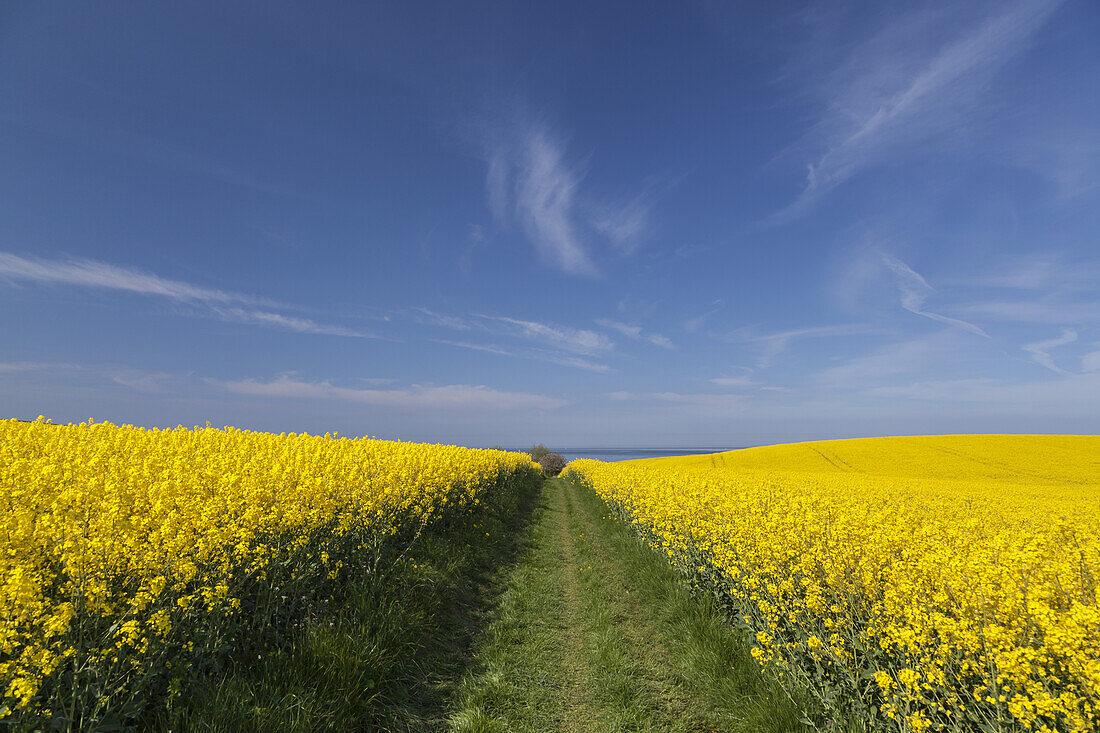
537, 452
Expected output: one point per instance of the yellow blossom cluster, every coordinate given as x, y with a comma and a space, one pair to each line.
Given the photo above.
124, 549
941, 583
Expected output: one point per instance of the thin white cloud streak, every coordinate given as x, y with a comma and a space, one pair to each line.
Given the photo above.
487, 348
531, 182
658, 340
1066, 153
904, 357
914, 291
636, 333
632, 332
1047, 289
561, 343
1035, 311
873, 109
456, 396
1040, 350
93, 274
223, 305
574, 361
136, 379
721, 402
438, 319
477, 241
1073, 394
733, 382
545, 201
1058, 292
577, 340
35, 366
1091, 362
692, 325
1040, 272
288, 323
148, 382
775, 343
534, 355
624, 225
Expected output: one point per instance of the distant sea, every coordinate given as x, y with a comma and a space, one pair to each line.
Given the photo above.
630, 454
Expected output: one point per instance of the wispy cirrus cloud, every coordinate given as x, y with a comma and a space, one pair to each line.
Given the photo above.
625, 224
773, 344
1040, 350
741, 381
911, 356
143, 381
1090, 362
636, 333
658, 340
573, 361
93, 274
545, 203
579, 340
477, 240
34, 366
137, 379
894, 93
1038, 289
487, 348
722, 402
1064, 151
219, 304
531, 181
1073, 394
455, 396
552, 343
1051, 309
1044, 271
914, 291
287, 323
693, 324
551, 357
432, 318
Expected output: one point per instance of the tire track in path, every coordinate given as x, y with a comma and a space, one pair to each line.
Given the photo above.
533, 672
597, 633
574, 660
650, 694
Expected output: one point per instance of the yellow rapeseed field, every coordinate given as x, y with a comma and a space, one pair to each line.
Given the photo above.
929, 583
126, 553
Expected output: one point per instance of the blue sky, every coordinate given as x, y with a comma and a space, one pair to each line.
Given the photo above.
654, 224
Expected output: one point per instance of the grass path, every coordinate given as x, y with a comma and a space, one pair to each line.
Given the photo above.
537, 613
595, 633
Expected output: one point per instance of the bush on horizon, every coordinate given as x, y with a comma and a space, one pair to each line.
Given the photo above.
552, 464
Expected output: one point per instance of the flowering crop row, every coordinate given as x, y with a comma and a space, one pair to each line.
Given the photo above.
965, 601
128, 555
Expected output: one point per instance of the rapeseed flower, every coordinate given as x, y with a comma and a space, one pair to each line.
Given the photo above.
955, 574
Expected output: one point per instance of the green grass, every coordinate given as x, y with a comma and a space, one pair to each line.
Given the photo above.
386, 654
596, 632
539, 613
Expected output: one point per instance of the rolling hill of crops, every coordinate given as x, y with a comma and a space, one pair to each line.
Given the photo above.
926, 583
1047, 459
